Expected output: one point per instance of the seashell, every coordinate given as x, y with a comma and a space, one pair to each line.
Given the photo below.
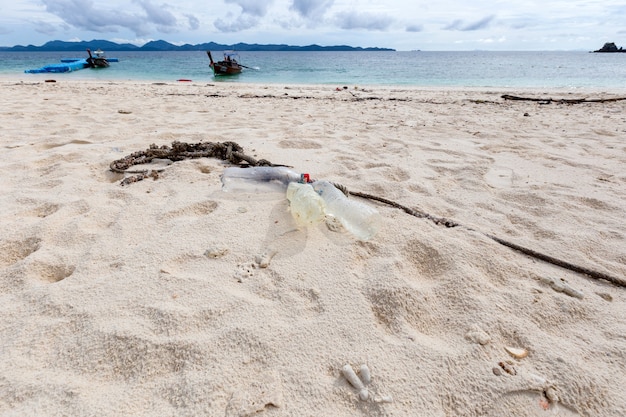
517, 353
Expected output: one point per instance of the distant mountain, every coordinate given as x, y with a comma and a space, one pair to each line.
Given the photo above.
166, 46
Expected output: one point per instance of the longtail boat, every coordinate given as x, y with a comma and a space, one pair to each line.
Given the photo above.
228, 66
97, 60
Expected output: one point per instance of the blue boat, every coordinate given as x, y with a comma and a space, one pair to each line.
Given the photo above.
75, 64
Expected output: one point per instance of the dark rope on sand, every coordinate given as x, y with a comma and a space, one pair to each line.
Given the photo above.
526, 251
563, 100
233, 153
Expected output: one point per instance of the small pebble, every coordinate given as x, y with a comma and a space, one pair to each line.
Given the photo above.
215, 252
478, 335
551, 395
573, 292
384, 399
508, 368
264, 259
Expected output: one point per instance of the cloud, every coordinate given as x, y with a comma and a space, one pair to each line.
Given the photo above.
83, 15
256, 8
157, 14
251, 13
414, 28
45, 28
243, 22
460, 25
193, 21
311, 9
367, 21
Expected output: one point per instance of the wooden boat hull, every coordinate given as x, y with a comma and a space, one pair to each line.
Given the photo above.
220, 68
224, 67
97, 61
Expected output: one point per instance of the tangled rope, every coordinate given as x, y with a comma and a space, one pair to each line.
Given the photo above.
227, 151
233, 153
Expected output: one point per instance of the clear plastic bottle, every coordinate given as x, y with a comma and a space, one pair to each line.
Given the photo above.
358, 218
258, 179
306, 205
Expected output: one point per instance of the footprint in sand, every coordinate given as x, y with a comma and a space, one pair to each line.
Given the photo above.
15, 251
299, 144
499, 177
201, 208
51, 272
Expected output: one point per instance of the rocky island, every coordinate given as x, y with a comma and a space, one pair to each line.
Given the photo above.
610, 47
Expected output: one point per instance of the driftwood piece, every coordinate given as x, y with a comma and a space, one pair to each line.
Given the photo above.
564, 100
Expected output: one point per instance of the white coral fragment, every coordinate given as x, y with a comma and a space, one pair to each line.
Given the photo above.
360, 383
352, 377
561, 286
365, 373
364, 394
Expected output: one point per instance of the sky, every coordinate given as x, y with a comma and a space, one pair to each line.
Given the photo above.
404, 25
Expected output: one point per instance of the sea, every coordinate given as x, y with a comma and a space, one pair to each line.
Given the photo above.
541, 69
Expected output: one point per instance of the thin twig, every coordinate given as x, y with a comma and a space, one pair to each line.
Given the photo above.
564, 100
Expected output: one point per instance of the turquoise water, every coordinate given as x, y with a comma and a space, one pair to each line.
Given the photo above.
428, 69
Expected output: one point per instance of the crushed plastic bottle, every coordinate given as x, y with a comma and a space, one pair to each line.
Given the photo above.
305, 204
258, 179
358, 218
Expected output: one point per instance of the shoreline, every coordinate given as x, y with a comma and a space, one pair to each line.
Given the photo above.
171, 296
236, 86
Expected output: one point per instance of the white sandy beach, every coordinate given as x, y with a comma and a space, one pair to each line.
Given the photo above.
170, 297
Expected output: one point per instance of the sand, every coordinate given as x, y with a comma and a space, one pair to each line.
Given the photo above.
171, 297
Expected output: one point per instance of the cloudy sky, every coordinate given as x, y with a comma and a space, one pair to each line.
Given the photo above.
433, 25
